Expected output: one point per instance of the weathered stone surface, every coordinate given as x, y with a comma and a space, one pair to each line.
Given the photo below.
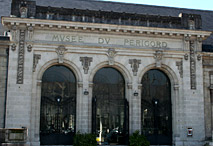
87, 50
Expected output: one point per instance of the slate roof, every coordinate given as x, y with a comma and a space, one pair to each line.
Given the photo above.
206, 15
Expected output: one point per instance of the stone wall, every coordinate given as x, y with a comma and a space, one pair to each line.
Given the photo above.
3, 72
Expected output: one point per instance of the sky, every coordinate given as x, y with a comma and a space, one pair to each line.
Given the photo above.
192, 4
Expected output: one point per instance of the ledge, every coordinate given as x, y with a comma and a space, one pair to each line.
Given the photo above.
70, 26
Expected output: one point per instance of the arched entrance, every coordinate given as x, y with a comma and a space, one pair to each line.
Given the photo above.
156, 110
110, 107
58, 106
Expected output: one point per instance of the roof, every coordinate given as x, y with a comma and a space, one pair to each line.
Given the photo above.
206, 15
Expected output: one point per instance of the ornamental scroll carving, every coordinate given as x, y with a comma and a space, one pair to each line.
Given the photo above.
13, 47
111, 54
192, 65
158, 57
61, 50
179, 64
14, 32
36, 58
134, 65
86, 61
20, 70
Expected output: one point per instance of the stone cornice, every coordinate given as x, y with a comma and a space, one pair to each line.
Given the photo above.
69, 25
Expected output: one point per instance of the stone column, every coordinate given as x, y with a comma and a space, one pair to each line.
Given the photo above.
176, 115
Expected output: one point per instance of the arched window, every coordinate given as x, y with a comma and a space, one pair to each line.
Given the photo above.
156, 108
58, 106
110, 108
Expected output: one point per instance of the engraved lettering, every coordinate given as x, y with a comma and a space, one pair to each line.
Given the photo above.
73, 39
164, 44
80, 39
62, 38
158, 44
67, 38
106, 40
100, 40
147, 43
126, 41
138, 43
55, 38
152, 44
103, 40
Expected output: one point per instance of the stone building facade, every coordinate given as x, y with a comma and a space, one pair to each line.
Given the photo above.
89, 43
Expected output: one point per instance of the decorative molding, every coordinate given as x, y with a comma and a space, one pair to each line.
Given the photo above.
140, 86
39, 82
20, 70
14, 32
186, 56
61, 50
199, 39
176, 87
86, 61
29, 48
179, 64
134, 65
187, 38
13, 47
192, 65
91, 85
8, 21
30, 32
158, 55
199, 57
80, 84
36, 58
129, 86
111, 54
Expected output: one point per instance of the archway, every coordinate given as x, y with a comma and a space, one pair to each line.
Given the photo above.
156, 110
58, 106
110, 107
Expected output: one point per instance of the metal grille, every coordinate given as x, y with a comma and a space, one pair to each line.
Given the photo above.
110, 108
58, 106
156, 108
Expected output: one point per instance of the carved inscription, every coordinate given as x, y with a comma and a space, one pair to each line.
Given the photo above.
68, 38
134, 65
179, 64
192, 65
86, 63
36, 58
144, 43
20, 70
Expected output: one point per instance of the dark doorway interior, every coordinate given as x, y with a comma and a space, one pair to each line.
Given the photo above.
110, 108
58, 106
156, 108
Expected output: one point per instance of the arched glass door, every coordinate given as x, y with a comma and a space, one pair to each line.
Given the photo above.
58, 106
156, 108
110, 108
